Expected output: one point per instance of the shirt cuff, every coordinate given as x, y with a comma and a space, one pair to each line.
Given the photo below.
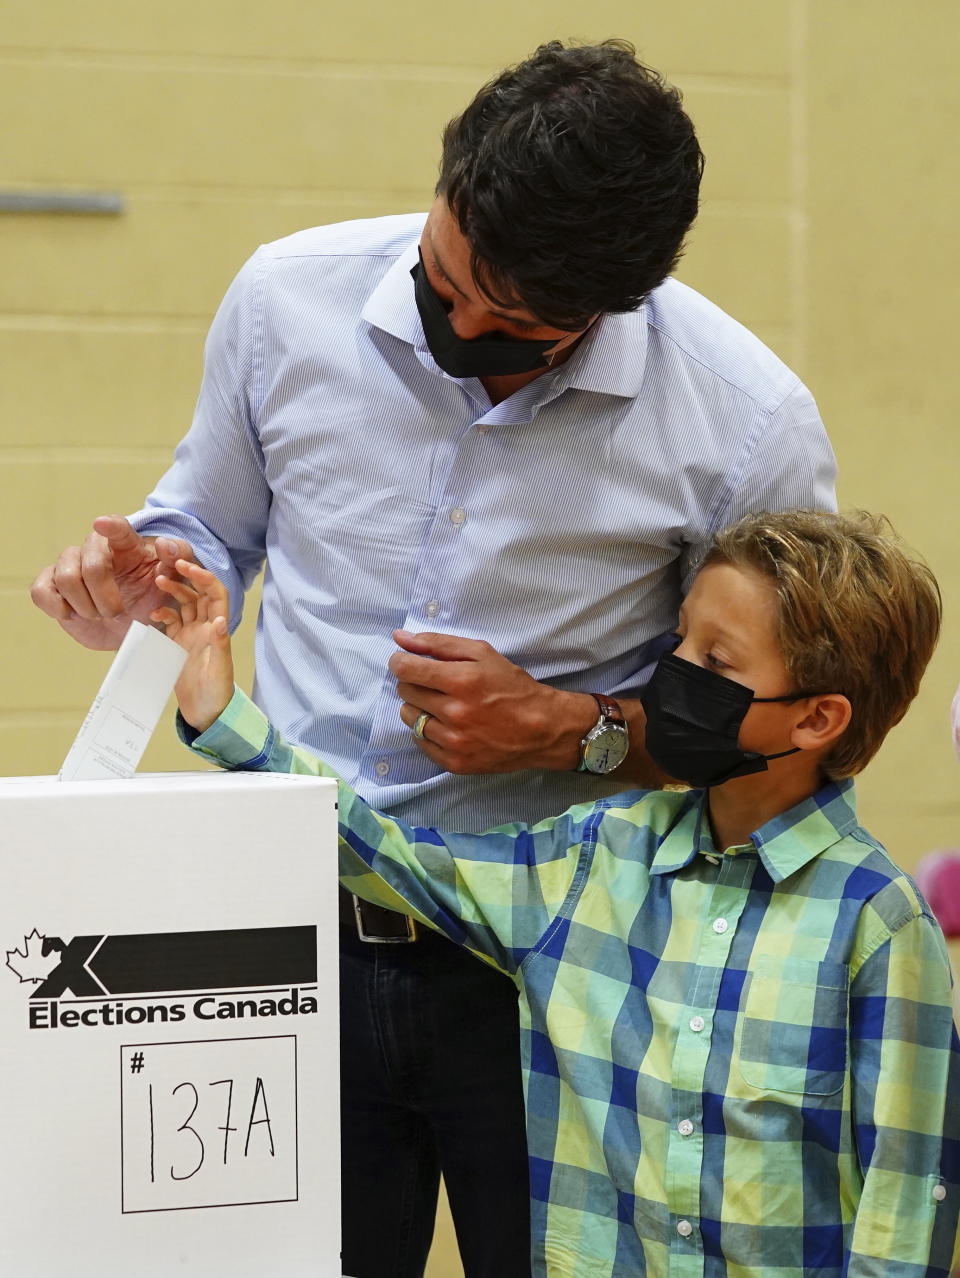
241, 738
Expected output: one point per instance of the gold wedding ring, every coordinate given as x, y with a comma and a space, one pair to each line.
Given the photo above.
420, 724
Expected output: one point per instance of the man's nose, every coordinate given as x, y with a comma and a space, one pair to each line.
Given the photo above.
469, 321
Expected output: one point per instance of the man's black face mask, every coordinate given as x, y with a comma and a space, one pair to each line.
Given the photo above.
693, 723
493, 356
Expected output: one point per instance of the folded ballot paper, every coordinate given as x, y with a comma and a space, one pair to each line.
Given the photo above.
126, 710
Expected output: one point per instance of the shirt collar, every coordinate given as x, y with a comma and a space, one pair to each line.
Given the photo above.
391, 306
610, 359
785, 844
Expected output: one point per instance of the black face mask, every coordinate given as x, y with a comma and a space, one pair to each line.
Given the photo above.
493, 356
693, 724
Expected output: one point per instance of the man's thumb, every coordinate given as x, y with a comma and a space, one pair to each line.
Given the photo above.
121, 535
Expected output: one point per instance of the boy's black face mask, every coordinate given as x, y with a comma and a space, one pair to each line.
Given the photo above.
493, 356
693, 724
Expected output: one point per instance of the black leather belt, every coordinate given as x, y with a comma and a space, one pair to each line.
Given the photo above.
374, 924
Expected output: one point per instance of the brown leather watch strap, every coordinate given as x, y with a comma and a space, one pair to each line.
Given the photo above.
609, 708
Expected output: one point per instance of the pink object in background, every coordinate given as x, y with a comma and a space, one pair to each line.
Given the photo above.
938, 878
955, 716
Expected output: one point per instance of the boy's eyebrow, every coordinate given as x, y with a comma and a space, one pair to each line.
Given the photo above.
736, 642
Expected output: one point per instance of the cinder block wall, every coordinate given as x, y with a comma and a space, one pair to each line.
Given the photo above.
827, 227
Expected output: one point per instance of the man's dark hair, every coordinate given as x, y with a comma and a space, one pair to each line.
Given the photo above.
574, 176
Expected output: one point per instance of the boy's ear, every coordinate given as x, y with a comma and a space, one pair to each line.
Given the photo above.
824, 719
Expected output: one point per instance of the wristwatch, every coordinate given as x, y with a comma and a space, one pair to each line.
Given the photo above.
606, 744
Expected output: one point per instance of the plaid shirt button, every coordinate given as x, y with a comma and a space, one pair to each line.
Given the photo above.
697, 1023
684, 1228
939, 1193
685, 1127
720, 926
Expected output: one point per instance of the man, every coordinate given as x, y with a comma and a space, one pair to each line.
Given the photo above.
497, 433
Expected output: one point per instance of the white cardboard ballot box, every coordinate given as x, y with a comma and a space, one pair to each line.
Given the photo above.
168, 1027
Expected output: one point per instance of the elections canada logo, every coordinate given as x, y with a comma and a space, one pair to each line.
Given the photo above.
38, 959
147, 978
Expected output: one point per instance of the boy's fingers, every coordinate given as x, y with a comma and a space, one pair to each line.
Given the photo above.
166, 616
183, 593
204, 580
202, 576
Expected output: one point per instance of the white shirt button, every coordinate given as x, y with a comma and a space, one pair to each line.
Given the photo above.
685, 1127
714, 860
939, 1193
684, 1228
720, 926
432, 608
697, 1023
381, 768
458, 516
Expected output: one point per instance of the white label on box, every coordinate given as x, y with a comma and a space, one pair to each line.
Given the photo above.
210, 1123
126, 710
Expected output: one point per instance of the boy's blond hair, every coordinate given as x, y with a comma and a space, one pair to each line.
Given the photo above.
856, 614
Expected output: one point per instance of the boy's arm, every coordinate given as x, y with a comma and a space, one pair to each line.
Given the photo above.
496, 893
906, 1107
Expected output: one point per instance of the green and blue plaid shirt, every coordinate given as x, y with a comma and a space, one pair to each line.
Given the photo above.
739, 1063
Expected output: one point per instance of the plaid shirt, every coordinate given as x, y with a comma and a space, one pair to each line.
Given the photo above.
735, 1064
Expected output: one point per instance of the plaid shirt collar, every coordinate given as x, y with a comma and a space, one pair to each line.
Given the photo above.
785, 844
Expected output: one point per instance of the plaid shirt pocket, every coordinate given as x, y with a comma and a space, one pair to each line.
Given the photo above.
794, 1026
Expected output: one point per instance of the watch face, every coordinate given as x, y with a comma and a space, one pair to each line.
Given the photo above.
607, 749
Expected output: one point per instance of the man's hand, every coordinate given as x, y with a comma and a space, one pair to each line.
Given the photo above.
205, 686
486, 714
97, 589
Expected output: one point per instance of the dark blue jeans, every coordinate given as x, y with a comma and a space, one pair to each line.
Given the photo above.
431, 1083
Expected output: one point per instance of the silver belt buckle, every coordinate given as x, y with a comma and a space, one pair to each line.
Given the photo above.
383, 940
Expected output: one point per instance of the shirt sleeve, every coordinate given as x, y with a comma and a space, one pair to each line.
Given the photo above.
216, 494
906, 1108
790, 463
497, 893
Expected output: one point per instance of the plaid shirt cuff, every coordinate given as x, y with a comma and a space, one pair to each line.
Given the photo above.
241, 738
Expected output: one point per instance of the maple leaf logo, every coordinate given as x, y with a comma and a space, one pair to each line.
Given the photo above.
32, 964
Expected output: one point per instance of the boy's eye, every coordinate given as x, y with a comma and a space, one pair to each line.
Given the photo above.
715, 662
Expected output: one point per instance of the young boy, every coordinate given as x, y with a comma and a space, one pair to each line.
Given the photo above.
739, 1055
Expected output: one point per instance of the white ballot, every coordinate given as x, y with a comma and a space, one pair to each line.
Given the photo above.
168, 1027
120, 723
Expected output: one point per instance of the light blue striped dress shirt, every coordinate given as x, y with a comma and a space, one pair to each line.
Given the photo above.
560, 525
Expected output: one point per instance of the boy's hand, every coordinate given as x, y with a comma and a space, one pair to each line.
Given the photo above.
205, 687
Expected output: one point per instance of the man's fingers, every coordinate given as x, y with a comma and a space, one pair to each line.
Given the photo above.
170, 549
442, 647
423, 698
70, 582
423, 672
434, 733
98, 570
48, 598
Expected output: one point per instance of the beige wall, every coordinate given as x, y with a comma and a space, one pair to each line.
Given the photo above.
828, 227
